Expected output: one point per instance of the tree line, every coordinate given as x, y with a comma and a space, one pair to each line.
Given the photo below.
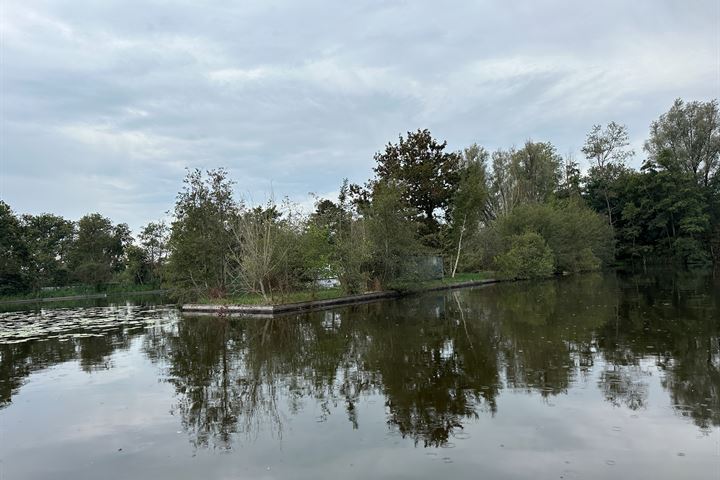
523, 212
48, 251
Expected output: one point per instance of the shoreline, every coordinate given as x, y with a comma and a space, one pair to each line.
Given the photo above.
88, 296
268, 311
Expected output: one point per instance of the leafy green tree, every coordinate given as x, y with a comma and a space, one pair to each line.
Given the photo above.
505, 191
316, 250
351, 243
683, 163
687, 138
427, 174
49, 239
629, 234
603, 189
607, 149
98, 250
676, 217
529, 175
200, 239
537, 167
154, 240
392, 231
570, 179
139, 267
13, 253
469, 203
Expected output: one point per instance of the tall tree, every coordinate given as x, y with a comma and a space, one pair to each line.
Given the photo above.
570, 178
49, 239
504, 186
13, 253
529, 175
427, 174
154, 241
687, 137
98, 251
607, 149
392, 230
138, 267
537, 167
468, 206
153, 238
200, 238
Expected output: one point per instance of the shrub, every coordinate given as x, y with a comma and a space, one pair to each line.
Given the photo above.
529, 257
579, 239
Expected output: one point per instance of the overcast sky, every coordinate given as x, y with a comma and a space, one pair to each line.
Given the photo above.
105, 103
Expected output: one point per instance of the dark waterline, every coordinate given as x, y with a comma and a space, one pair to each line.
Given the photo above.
592, 376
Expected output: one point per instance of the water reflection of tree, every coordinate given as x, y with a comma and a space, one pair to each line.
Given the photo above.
437, 368
229, 374
439, 360
547, 329
672, 317
19, 360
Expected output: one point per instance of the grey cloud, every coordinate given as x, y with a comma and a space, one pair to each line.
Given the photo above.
105, 103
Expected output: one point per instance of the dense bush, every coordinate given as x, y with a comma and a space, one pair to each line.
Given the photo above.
528, 257
579, 239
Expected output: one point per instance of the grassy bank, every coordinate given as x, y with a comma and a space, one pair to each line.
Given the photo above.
330, 293
79, 290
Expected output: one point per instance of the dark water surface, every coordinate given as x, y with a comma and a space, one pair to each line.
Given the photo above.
594, 376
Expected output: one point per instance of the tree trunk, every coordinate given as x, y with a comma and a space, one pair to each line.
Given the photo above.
457, 257
607, 203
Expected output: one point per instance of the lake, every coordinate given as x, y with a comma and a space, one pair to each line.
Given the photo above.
613, 375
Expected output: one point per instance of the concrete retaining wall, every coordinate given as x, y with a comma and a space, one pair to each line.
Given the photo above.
265, 311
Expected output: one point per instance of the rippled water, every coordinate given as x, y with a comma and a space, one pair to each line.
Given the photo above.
593, 376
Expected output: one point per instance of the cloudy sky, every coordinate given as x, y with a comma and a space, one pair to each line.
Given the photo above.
105, 103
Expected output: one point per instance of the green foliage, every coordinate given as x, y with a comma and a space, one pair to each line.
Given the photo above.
607, 150
570, 179
468, 207
528, 257
98, 251
352, 254
13, 253
154, 241
200, 239
607, 146
578, 238
48, 251
687, 139
346, 247
427, 174
537, 166
316, 249
49, 239
529, 175
670, 208
138, 268
392, 231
